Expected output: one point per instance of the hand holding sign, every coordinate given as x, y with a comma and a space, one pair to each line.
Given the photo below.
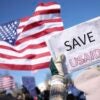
58, 81
88, 81
56, 66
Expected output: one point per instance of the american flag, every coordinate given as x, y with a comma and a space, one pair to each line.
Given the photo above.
6, 82
22, 42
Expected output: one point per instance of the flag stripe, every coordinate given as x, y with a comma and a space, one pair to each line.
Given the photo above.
24, 66
25, 61
46, 12
47, 4
6, 82
39, 29
55, 6
39, 34
33, 19
35, 41
27, 51
30, 46
30, 51
28, 56
40, 23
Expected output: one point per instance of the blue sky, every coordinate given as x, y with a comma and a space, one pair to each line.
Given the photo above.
72, 12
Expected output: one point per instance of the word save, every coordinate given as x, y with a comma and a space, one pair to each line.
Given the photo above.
79, 41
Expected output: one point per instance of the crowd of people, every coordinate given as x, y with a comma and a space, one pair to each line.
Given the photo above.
69, 87
72, 94
21, 94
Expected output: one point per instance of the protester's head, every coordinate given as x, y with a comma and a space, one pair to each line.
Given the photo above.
45, 94
19, 97
3, 92
37, 90
28, 97
70, 97
24, 89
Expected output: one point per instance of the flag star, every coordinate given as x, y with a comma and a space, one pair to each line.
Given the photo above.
8, 25
8, 38
13, 31
12, 25
13, 37
4, 38
10, 28
14, 34
15, 22
6, 35
4, 26
2, 35
10, 41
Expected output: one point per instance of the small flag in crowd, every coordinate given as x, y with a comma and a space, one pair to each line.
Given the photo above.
6, 82
22, 42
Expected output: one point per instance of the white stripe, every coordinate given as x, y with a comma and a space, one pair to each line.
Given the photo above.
19, 30
54, 6
29, 42
28, 51
39, 29
7, 82
6, 85
4, 79
40, 18
25, 61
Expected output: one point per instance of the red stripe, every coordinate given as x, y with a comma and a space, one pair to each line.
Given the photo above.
47, 4
24, 67
29, 56
10, 77
24, 19
52, 11
40, 23
20, 27
32, 46
39, 34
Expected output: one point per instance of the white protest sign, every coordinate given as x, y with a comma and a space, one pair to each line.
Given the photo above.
80, 44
